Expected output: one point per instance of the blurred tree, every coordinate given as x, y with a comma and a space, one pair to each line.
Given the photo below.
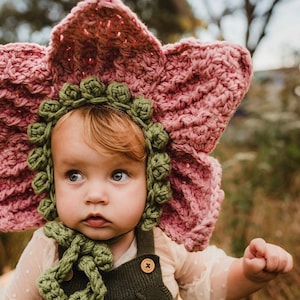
261, 175
32, 20
29, 19
254, 17
170, 20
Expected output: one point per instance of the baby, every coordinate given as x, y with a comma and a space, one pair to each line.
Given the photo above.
125, 183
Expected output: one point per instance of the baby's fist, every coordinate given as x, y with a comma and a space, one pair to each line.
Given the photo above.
264, 261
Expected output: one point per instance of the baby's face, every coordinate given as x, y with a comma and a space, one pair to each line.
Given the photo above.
101, 196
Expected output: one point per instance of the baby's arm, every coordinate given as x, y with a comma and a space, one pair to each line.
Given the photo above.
261, 263
38, 256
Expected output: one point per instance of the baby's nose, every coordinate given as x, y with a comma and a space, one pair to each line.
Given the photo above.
97, 194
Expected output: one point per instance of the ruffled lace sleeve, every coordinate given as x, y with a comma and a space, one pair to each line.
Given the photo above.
39, 255
198, 275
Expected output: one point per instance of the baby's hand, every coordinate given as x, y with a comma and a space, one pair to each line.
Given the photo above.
263, 262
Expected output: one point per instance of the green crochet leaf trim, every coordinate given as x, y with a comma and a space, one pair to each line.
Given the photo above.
117, 95
87, 255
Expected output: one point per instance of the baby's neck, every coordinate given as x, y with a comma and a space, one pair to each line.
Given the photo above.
120, 245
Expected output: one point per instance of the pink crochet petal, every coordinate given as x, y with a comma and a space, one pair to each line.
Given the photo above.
200, 90
104, 38
13, 155
24, 83
19, 212
189, 218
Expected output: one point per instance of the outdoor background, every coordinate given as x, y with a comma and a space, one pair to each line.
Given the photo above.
259, 151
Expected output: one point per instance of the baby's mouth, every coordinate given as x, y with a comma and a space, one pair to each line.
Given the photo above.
95, 221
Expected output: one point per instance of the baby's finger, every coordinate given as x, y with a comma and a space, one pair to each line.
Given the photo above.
254, 270
278, 260
289, 264
257, 248
254, 265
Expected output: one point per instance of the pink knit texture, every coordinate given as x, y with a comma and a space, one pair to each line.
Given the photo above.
196, 87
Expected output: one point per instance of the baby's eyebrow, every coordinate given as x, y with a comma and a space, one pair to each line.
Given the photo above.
69, 161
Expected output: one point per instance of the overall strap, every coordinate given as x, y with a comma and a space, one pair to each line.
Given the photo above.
145, 241
139, 278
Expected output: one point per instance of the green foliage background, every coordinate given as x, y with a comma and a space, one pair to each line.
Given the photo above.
33, 19
260, 155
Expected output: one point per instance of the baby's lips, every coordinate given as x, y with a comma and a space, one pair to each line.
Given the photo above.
95, 220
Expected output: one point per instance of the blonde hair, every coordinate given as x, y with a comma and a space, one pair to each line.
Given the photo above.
110, 131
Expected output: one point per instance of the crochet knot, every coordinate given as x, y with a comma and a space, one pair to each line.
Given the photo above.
41, 182
47, 208
62, 234
143, 108
118, 92
157, 136
151, 216
38, 158
91, 88
39, 133
70, 97
69, 93
160, 192
159, 166
102, 256
50, 289
87, 265
51, 110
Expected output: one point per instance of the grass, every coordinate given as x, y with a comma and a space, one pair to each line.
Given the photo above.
250, 210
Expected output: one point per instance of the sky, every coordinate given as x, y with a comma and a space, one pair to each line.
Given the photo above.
283, 34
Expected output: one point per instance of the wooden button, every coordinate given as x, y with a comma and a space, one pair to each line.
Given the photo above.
147, 265
69, 276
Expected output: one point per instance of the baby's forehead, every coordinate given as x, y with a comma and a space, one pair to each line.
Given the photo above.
73, 115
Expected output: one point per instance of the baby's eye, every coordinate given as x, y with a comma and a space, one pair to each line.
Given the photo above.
119, 175
74, 176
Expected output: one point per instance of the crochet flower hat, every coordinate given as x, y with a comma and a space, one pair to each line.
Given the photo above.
195, 88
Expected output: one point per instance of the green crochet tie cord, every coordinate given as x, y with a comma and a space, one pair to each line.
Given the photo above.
91, 256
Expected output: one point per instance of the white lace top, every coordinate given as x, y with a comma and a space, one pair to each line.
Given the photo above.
192, 275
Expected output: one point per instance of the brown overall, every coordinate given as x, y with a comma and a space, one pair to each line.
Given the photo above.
139, 278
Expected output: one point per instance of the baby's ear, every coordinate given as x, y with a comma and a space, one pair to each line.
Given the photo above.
24, 83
